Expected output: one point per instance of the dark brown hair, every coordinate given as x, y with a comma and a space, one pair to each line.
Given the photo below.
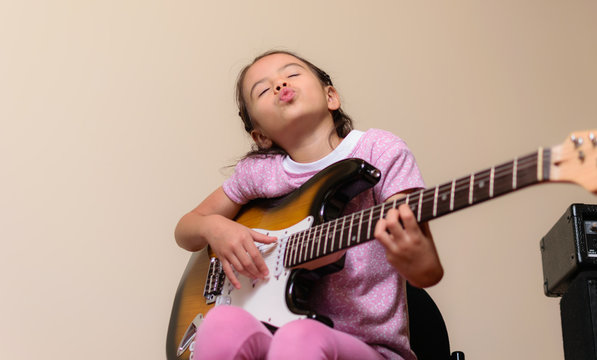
342, 122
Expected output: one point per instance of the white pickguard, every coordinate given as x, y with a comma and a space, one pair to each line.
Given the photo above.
264, 299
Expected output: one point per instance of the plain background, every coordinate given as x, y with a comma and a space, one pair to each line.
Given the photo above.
117, 117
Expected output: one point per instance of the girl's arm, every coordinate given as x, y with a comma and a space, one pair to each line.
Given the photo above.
210, 223
409, 246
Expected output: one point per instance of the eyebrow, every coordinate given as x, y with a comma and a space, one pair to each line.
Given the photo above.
280, 69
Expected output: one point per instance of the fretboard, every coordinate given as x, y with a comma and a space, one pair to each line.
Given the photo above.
426, 204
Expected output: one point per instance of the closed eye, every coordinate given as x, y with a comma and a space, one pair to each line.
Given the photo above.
293, 75
263, 92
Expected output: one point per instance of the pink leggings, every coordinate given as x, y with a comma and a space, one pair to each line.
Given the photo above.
230, 332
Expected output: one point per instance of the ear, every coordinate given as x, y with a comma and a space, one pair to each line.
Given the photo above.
333, 98
262, 141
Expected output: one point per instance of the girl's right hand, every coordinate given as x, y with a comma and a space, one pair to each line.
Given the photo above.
234, 245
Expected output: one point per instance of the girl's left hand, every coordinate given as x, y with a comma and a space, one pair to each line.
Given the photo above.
409, 247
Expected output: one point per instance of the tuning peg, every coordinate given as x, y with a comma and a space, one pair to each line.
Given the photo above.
576, 140
593, 139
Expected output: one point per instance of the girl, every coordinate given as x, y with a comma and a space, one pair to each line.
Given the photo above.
292, 112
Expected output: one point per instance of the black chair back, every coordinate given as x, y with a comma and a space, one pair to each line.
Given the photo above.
428, 333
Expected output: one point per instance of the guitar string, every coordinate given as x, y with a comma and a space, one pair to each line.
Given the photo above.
524, 163
505, 169
463, 181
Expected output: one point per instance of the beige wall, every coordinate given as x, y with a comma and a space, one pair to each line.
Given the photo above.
118, 116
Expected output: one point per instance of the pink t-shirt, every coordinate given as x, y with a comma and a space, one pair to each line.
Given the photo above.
367, 297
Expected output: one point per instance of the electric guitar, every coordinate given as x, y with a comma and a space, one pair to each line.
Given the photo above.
309, 226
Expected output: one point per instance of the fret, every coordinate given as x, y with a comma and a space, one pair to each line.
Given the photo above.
311, 244
325, 247
452, 191
299, 241
289, 246
303, 245
348, 239
295, 244
304, 248
307, 244
360, 224
327, 233
369, 223
395, 204
287, 250
426, 204
540, 164
491, 180
514, 172
435, 193
320, 238
420, 206
341, 233
299, 246
471, 188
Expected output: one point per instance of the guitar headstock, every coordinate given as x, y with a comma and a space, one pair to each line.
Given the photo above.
575, 160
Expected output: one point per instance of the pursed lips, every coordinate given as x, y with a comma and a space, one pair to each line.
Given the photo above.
286, 95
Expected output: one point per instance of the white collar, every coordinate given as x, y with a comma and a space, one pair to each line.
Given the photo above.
342, 151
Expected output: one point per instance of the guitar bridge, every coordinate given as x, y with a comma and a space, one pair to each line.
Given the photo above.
215, 280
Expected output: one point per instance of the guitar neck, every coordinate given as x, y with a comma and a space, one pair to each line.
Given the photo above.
426, 204
481, 186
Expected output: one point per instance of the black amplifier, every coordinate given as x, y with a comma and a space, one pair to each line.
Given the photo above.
569, 247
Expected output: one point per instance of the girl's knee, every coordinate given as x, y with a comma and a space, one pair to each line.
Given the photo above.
228, 316
301, 329
302, 339
228, 332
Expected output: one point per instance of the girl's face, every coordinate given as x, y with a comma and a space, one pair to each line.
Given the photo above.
286, 99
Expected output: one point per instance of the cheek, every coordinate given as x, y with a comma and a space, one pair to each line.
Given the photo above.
318, 93
257, 113
254, 109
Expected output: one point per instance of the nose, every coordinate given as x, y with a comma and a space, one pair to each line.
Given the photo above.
280, 86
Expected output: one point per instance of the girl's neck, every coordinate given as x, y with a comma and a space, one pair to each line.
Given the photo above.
315, 145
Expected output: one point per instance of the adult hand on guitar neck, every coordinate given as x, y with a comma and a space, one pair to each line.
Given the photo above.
233, 243
409, 246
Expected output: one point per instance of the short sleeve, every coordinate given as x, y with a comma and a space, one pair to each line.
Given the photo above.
397, 164
239, 191
255, 178
402, 174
